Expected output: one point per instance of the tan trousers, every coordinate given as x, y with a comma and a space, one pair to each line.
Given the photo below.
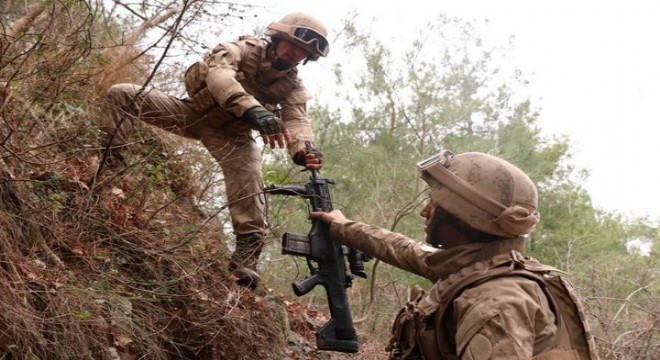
229, 142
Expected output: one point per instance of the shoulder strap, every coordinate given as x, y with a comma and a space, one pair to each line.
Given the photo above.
448, 289
441, 297
251, 56
573, 337
249, 71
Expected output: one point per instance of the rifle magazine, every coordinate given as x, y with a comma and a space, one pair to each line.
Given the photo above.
296, 244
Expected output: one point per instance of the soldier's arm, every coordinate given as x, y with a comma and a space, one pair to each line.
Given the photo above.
222, 83
390, 247
295, 118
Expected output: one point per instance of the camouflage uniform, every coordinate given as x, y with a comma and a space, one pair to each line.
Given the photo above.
506, 317
235, 77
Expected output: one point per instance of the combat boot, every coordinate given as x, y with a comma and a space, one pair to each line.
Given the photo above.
243, 263
111, 151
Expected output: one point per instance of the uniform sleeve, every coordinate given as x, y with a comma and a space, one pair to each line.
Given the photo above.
390, 247
222, 83
295, 118
504, 318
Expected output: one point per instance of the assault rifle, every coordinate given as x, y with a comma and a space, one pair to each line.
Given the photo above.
325, 259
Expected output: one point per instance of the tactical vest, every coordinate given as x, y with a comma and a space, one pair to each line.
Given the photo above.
425, 328
248, 75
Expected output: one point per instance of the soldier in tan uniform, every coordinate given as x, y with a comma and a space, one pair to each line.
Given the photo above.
249, 84
488, 301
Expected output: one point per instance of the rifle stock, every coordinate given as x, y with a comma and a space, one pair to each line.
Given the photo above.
325, 259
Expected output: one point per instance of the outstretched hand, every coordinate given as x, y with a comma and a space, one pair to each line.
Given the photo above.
280, 139
327, 217
271, 127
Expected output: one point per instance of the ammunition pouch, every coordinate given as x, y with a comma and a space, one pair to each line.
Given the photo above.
203, 101
195, 82
413, 333
195, 77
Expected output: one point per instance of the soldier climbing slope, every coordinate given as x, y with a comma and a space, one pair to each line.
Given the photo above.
244, 85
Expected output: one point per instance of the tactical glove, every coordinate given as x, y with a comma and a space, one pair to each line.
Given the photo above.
263, 120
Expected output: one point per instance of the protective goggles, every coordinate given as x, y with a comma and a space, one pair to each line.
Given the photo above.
307, 36
443, 158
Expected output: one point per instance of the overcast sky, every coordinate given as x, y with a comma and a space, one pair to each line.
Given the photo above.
593, 66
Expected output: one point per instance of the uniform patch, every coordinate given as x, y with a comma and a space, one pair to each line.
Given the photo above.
479, 348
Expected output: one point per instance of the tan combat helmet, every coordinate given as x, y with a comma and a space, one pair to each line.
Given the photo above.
304, 31
486, 192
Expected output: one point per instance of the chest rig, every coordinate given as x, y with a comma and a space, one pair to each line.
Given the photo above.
261, 84
425, 328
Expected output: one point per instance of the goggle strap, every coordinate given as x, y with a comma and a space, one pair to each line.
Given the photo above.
462, 188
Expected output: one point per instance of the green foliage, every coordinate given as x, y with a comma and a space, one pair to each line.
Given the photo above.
136, 247
397, 118
453, 93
